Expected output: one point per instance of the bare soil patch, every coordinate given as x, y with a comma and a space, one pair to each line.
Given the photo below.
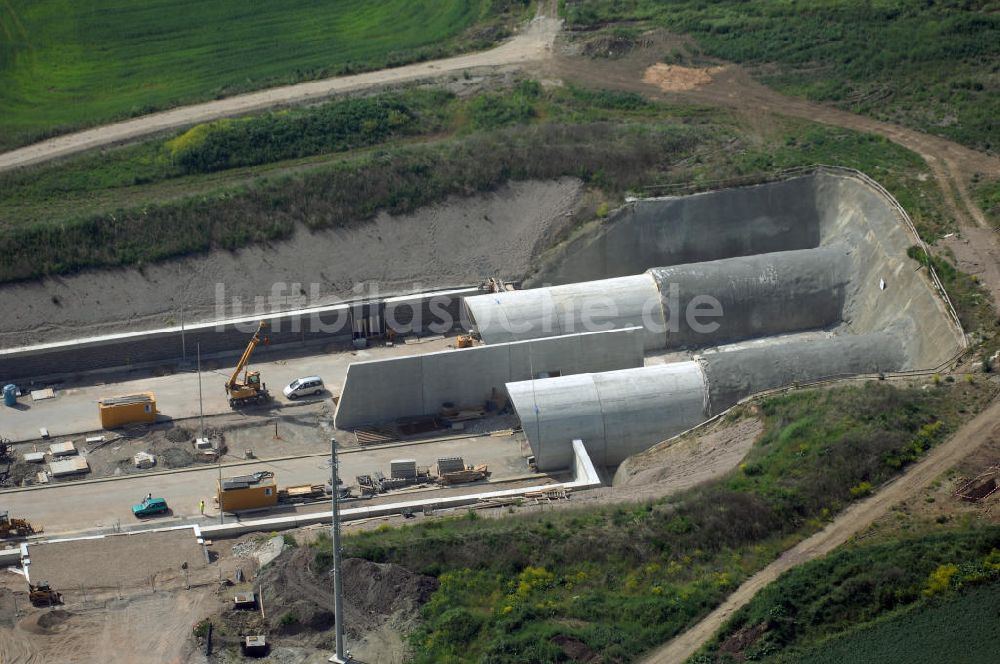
135, 630
690, 460
673, 78
977, 253
381, 603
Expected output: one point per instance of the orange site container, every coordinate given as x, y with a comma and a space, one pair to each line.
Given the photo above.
130, 409
247, 493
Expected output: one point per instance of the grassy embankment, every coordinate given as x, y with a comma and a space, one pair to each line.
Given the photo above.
235, 182
65, 65
619, 580
934, 66
925, 601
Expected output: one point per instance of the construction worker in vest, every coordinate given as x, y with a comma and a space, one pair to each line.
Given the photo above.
201, 507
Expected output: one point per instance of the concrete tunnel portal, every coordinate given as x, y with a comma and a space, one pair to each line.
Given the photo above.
789, 281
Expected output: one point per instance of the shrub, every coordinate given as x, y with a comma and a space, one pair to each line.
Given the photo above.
861, 490
940, 579
200, 629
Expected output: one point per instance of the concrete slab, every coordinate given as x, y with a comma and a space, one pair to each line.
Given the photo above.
105, 562
74, 466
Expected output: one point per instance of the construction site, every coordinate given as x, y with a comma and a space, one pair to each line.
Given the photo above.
511, 395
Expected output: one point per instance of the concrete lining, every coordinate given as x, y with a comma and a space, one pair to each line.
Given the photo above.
384, 390
734, 374
620, 413
762, 295
616, 413
825, 251
545, 312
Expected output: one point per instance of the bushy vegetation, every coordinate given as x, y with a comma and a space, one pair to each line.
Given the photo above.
334, 127
619, 580
931, 65
67, 64
903, 600
492, 110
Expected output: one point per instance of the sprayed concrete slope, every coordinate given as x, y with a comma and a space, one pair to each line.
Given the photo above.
823, 252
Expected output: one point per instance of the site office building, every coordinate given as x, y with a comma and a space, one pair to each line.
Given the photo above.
236, 494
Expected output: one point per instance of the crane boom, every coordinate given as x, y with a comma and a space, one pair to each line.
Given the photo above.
246, 356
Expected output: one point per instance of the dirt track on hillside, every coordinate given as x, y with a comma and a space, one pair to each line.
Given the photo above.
854, 520
533, 43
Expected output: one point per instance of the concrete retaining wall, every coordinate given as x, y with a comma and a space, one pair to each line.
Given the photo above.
855, 213
434, 312
384, 390
838, 257
690, 229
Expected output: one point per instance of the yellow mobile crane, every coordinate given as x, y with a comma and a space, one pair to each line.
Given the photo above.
250, 390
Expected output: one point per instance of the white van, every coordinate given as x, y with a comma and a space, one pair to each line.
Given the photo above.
303, 386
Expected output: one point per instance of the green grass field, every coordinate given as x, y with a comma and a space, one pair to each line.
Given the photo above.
963, 629
68, 64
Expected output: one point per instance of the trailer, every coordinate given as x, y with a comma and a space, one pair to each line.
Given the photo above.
129, 409
465, 476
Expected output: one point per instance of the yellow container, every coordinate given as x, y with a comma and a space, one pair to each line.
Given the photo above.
255, 496
130, 409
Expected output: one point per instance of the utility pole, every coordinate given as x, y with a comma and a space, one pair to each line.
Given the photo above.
201, 403
340, 656
201, 419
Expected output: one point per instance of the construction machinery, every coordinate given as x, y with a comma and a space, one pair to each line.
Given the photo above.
15, 527
43, 595
404, 473
250, 390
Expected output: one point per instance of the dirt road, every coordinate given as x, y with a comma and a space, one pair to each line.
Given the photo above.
533, 43
855, 519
